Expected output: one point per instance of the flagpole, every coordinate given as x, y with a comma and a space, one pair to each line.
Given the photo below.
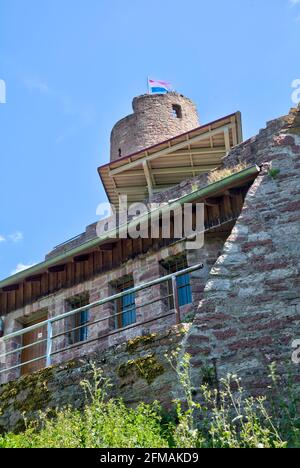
148, 84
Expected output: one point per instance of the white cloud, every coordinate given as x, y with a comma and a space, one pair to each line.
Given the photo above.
21, 267
16, 236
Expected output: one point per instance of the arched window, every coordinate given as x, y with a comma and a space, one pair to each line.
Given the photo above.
177, 111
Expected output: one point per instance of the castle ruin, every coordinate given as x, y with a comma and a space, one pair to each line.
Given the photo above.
124, 302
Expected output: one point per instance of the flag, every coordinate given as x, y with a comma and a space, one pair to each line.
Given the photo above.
159, 86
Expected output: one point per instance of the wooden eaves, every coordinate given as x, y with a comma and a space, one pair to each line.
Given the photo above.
165, 165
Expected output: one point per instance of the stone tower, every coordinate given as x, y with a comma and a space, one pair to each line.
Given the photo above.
156, 118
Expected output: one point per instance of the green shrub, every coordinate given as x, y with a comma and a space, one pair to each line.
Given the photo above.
274, 173
222, 417
285, 405
226, 418
103, 423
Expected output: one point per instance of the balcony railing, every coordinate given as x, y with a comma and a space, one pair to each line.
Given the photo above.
58, 331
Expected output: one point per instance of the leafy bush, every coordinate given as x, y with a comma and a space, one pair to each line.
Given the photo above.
103, 423
225, 418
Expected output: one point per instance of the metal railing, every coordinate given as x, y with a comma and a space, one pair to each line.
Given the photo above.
15, 340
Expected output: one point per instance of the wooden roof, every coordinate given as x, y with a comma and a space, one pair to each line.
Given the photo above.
166, 164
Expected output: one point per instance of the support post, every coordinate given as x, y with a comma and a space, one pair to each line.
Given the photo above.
176, 300
148, 178
49, 343
227, 140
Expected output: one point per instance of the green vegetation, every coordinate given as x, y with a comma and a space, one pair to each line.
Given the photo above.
220, 174
225, 418
148, 368
274, 173
135, 343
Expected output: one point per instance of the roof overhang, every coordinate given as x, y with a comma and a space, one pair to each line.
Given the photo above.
167, 164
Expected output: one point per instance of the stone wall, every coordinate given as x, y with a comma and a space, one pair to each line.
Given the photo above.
152, 122
250, 313
143, 269
138, 371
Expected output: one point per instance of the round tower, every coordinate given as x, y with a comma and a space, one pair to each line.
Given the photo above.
156, 118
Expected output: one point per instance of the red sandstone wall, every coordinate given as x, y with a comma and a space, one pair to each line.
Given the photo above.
250, 313
143, 269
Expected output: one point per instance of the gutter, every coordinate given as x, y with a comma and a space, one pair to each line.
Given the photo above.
199, 193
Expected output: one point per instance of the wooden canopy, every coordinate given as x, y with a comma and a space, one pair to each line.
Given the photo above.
162, 166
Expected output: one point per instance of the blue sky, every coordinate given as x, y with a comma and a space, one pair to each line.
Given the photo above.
71, 68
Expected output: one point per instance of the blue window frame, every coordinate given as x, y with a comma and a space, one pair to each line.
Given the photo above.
84, 320
128, 310
184, 289
183, 282
125, 307
78, 323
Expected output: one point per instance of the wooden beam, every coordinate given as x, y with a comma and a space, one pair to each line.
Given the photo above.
234, 132
184, 170
239, 127
171, 170
137, 173
227, 140
200, 151
227, 205
131, 190
148, 178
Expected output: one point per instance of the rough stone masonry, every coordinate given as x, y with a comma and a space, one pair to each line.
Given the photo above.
249, 315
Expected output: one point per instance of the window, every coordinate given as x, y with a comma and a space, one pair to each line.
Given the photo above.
177, 111
173, 265
125, 306
78, 323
